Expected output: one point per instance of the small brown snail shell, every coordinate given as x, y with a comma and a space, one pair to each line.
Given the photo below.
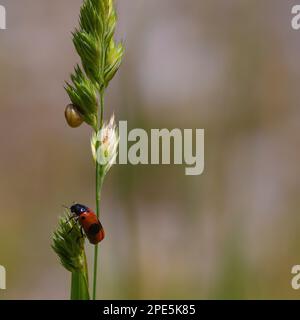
73, 117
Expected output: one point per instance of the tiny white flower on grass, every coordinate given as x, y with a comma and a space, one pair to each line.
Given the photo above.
105, 145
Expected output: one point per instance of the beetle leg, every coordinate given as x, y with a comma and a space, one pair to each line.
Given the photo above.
71, 230
82, 235
70, 218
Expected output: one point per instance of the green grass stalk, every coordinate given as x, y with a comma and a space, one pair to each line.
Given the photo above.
99, 182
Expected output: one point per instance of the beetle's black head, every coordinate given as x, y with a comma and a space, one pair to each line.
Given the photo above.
78, 209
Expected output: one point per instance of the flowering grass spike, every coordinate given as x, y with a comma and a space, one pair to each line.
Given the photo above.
100, 57
68, 243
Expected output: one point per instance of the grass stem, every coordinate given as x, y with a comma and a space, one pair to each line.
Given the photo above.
99, 182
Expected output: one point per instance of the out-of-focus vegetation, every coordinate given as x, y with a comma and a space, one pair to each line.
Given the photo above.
231, 67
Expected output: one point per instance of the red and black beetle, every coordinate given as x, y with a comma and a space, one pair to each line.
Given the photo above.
89, 222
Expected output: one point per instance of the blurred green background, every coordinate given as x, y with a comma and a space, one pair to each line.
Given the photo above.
231, 67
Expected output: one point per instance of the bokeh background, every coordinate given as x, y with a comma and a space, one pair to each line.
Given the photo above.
231, 67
